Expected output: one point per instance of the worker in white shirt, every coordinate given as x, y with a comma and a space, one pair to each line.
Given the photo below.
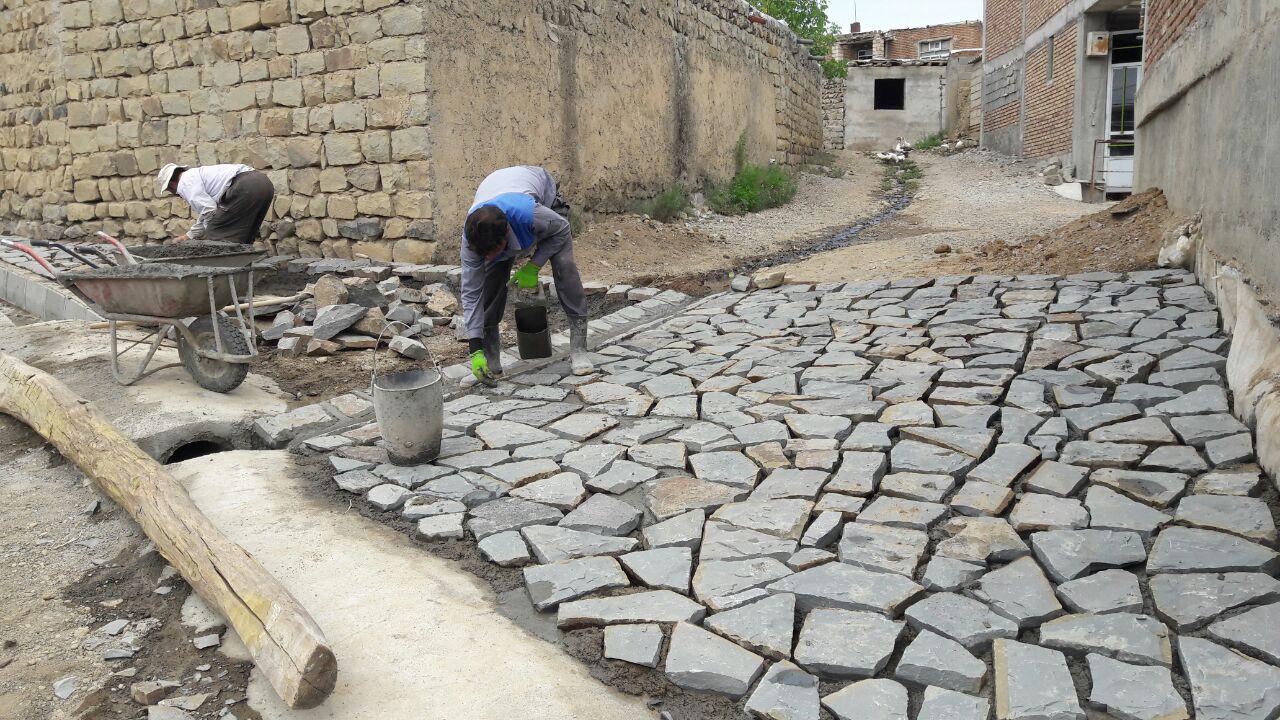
229, 201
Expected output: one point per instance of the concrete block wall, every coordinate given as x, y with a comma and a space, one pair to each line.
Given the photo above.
375, 118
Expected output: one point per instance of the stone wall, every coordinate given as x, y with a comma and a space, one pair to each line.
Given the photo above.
833, 114
375, 119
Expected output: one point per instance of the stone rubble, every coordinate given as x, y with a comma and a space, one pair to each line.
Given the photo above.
874, 497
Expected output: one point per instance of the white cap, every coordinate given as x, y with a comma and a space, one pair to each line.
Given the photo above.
165, 175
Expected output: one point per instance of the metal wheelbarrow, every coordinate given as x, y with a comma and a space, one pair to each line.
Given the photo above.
214, 348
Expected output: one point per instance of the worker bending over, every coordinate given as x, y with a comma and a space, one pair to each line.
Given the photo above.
229, 201
512, 218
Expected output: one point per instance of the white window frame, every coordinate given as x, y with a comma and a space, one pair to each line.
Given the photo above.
943, 48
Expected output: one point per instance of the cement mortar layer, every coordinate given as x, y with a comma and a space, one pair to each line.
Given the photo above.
375, 120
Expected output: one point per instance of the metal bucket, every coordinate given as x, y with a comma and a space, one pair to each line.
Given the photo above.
533, 336
410, 410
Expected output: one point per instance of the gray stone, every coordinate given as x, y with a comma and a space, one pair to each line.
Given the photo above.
1084, 419
563, 492
907, 414
1247, 517
824, 530
1192, 358
960, 618
859, 473
1105, 592
882, 548
1201, 401
868, 700
655, 606
1005, 464
667, 386
941, 704
1056, 478
785, 693
524, 472
1148, 431
333, 319
915, 456
970, 416
721, 578
1122, 369
641, 431
1175, 458
784, 518
1109, 510
668, 497
765, 626
981, 498
845, 643
918, 486
442, 527
1230, 451
504, 434
1132, 692
552, 544
1243, 482
1033, 683
665, 568
981, 540
947, 574
1186, 380
1020, 592
506, 549
1069, 554
1190, 601
1226, 685
470, 489
787, 482
592, 460
805, 558
603, 515
817, 426
1196, 430
1037, 511
636, 644
838, 585
388, 497
869, 436
847, 505
1102, 455
680, 531
479, 460
1181, 550
1144, 396
698, 660
509, 514
357, 481
410, 477
550, 585
1256, 632
933, 660
1131, 638
970, 441
1154, 488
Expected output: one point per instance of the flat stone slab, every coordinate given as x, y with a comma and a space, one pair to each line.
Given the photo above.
1102, 455
1226, 685
505, 549
859, 473
933, 660
900, 512
1037, 511
657, 606
915, 456
766, 626
1020, 592
1196, 430
1255, 631
946, 574
509, 514
1005, 465
1140, 639
725, 467
680, 531
838, 643
504, 434
636, 644
1190, 601
669, 497
877, 699
563, 492
1109, 510
666, 568
721, 541
960, 618
552, 544
701, 661
1179, 549
1104, 592
1056, 478
785, 693
981, 540
784, 518
1154, 488
1033, 683
981, 498
882, 548
1069, 554
1247, 517
842, 586
1134, 692
942, 704
604, 515
721, 578
550, 585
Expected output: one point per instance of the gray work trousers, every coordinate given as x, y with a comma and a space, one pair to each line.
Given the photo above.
241, 209
564, 271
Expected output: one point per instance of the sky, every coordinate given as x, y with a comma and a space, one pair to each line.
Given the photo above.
890, 14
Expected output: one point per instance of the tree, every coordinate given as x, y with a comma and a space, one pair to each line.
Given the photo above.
808, 19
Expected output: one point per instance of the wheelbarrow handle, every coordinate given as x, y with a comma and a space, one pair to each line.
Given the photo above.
65, 249
23, 247
128, 259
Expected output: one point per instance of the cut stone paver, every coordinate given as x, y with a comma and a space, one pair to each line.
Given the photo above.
934, 660
1069, 554
960, 618
1247, 517
765, 626
701, 661
1179, 549
1226, 685
845, 643
785, 693
1104, 592
1132, 638
636, 644
1033, 683
1134, 692
1190, 601
657, 606
838, 585
1020, 592
868, 700
550, 585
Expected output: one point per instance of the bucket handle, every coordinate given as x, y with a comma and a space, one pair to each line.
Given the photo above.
373, 374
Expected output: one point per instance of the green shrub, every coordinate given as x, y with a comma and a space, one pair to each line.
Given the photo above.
753, 189
740, 153
668, 206
835, 68
931, 142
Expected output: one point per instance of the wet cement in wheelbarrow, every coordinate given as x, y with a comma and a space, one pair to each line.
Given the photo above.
163, 271
188, 250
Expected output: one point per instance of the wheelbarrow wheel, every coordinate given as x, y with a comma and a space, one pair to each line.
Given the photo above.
210, 374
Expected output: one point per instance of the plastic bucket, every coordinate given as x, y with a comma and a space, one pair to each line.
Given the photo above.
533, 337
410, 410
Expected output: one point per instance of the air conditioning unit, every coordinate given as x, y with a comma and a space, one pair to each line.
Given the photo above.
1099, 44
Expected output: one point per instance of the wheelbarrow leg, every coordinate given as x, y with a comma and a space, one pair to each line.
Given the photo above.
128, 378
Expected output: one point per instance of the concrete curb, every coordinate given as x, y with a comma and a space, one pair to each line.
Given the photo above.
41, 297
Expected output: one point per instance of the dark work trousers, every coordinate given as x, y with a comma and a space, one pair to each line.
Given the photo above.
564, 271
241, 210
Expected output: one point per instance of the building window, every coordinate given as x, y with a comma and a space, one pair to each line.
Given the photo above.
934, 49
891, 94
1048, 72
864, 54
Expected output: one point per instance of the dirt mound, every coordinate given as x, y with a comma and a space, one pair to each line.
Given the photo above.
1122, 238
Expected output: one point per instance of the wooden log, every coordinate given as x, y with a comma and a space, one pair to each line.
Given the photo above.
286, 644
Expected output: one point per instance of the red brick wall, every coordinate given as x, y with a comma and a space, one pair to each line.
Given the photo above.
1167, 20
1039, 12
1050, 104
1004, 26
1002, 118
906, 42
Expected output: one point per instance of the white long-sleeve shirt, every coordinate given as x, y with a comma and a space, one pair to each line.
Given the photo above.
203, 188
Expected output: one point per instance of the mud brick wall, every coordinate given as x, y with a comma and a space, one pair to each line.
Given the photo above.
905, 44
374, 118
1050, 103
833, 114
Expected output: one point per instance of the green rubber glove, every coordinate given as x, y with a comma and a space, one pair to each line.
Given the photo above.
526, 278
479, 365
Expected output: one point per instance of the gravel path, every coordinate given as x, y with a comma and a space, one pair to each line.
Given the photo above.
965, 201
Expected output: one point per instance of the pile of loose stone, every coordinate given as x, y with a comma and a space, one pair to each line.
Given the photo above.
929, 496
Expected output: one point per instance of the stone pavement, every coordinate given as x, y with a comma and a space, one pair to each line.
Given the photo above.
959, 495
